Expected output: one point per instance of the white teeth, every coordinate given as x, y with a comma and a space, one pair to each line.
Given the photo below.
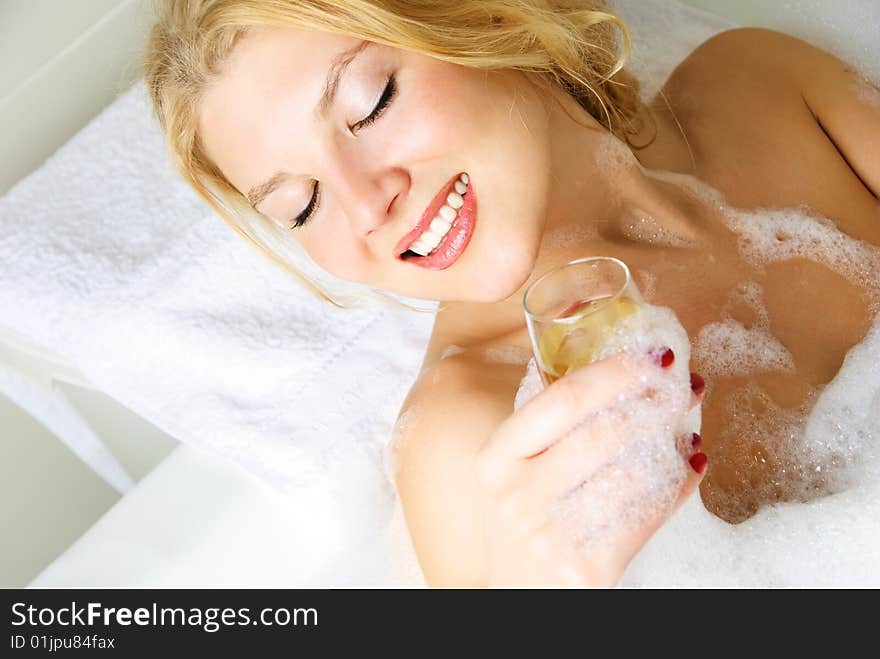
419, 248
432, 239
447, 213
439, 226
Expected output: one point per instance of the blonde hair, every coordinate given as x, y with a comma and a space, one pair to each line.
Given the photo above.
576, 44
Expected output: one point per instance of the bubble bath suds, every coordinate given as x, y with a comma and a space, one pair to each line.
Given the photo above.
793, 467
825, 450
868, 92
830, 541
644, 479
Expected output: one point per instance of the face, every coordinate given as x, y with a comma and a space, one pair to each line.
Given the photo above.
366, 172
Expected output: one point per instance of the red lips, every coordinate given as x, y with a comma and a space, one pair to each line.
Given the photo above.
429, 214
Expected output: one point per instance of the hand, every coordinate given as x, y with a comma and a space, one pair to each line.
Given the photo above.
575, 483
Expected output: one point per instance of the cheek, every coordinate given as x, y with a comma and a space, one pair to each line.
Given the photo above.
334, 251
429, 127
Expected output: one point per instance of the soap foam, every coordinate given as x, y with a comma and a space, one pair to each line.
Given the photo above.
727, 348
390, 459
647, 282
501, 354
795, 467
644, 480
868, 92
612, 156
645, 228
770, 236
832, 541
451, 351
507, 354
823, 459
784, 468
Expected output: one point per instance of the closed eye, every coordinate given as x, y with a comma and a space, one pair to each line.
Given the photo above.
304, 217
388, 95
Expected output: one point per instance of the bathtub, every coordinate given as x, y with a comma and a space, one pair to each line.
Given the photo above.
72, 524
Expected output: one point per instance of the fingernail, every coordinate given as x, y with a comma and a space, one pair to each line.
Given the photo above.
696, 441
698, 384
664, 357
698, 462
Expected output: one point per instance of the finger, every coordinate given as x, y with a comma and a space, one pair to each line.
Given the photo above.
621, 542
550, 414
583, 451
698, 465
698, 389
593, 444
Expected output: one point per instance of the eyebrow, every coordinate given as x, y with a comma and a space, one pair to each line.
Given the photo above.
331, 85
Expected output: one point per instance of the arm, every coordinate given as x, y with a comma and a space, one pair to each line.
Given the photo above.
847, 107
455, 405
482, 488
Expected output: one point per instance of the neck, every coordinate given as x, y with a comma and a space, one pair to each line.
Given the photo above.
600, 192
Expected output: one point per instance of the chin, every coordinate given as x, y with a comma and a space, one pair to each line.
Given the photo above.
510, 269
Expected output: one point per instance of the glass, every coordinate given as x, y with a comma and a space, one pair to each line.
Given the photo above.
573, 310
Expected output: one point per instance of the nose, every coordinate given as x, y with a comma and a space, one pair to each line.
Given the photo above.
368, 196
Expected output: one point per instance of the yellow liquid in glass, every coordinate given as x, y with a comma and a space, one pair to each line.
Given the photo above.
567, 346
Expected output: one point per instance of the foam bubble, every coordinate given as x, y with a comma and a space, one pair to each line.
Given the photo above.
570, 234
506, 354
727, 348
769, 236
830, 541
500, 354
763, 455
530, 385
647, 282
645, 228
845, 422
404, 423
868, 92
820, 462
643, 481
612, 156
451, 351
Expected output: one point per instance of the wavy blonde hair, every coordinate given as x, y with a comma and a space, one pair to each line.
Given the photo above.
576, 44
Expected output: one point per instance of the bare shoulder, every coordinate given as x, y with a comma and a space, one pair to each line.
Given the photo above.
743, 68
740, 70
757, 51
749, 98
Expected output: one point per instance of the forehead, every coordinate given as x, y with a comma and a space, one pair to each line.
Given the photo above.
270, 82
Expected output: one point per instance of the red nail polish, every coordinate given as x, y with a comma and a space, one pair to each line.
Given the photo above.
698, 384
696, 441
666, 357
699, 461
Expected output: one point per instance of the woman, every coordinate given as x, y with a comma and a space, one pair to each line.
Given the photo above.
353, 122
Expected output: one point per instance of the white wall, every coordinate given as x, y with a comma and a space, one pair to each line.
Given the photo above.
76, 55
